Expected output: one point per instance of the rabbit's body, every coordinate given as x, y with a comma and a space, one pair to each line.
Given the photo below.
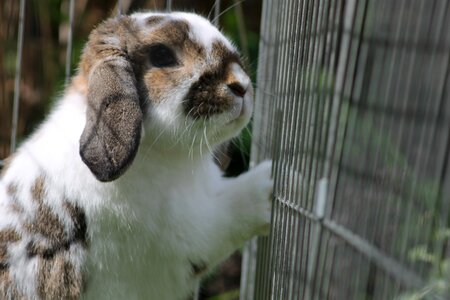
70, 229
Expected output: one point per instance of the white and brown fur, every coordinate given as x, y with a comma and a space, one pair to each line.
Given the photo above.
116, 195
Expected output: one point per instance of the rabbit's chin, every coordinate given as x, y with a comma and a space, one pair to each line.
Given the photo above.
218, 134
229, 124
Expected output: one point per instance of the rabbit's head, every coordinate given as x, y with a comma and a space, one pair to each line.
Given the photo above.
173, 76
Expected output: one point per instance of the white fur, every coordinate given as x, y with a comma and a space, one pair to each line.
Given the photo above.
170, 208
202, 31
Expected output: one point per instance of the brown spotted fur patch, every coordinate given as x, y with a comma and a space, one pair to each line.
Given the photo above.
11, 190
14, 205
3, 254
154, 20
9, 236
16, 208
38, 189
7, 286
46, 223
78, 218
58, 278
171, 32
3, 259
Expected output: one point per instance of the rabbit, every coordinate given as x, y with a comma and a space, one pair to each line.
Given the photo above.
116, 195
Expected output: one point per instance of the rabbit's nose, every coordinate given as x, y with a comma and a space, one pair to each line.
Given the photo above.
238, 89
237, 80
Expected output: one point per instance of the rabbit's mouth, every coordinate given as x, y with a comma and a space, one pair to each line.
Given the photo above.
235, 113
238, 111
241, 110
219, 90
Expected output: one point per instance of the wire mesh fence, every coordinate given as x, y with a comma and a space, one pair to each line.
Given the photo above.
353, 105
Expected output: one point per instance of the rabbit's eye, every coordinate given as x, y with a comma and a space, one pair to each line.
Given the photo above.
162, 56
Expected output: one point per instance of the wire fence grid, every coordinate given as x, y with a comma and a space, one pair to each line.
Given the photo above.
353, 105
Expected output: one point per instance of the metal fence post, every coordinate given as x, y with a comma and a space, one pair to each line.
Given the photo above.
319, 211
70, 40
15, 113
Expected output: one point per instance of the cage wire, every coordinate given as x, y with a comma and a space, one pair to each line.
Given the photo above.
353, 105
15, 111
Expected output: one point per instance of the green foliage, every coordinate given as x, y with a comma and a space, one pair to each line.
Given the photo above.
231, 295
438, 284
230, 25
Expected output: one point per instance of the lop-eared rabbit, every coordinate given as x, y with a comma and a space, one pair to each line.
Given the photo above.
116, 195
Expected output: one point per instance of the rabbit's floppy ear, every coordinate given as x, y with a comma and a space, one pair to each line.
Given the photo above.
111, 136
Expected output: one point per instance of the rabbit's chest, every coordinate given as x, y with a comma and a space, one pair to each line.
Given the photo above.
132, 263
144, 253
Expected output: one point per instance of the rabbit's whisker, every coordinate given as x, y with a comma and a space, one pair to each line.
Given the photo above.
201, 146
191, 149
226, 10
208, 145
182, 134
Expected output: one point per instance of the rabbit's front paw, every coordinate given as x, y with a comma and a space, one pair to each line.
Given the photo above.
257, 186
